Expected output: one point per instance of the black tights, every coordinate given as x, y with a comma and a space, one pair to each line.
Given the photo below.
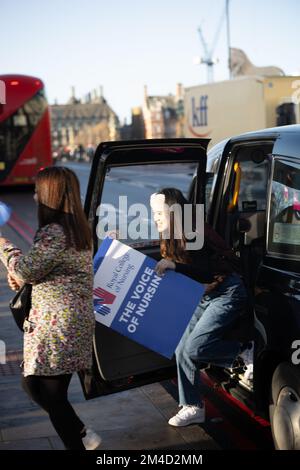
51, 393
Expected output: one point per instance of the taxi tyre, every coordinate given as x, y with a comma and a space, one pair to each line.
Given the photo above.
284, 407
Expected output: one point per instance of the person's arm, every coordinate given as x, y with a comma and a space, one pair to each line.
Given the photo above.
43, 256
14, 283
198, 269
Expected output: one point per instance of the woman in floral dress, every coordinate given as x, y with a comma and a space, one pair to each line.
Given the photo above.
58, 334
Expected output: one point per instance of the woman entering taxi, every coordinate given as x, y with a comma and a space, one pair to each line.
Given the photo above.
223, 301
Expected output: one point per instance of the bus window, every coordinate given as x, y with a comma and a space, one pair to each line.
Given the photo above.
25, 141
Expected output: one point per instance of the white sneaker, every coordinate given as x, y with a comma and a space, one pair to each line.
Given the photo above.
91, 440
247, 354
247, 377
189, 414
247, 357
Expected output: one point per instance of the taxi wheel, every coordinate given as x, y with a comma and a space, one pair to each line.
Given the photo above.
285, 407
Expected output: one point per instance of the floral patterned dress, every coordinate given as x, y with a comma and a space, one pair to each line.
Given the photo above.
59, 332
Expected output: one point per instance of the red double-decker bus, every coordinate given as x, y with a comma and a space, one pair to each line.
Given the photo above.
25, 137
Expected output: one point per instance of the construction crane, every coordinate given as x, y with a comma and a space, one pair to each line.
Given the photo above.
208, 58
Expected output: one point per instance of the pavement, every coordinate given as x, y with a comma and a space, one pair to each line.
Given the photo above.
132, 420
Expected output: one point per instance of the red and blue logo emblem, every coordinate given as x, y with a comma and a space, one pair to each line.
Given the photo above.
103, 300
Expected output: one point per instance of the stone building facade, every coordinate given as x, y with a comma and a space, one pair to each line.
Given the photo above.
83, 122
163, 115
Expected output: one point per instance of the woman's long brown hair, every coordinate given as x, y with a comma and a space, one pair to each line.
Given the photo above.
58, 194
172, 248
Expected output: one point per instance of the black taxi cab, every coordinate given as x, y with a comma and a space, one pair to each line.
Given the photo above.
250, 185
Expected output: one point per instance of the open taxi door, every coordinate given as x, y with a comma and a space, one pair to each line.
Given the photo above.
124, 174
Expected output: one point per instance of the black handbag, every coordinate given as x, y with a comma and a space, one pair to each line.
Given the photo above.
20, 305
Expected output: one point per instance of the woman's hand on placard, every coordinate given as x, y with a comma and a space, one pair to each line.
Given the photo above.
163, 265
113, 234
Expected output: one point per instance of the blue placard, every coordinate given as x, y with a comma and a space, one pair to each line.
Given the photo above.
131, 298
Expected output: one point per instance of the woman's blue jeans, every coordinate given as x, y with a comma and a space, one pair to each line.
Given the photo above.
203, 339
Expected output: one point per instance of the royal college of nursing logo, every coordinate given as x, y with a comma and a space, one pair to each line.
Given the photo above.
103, 300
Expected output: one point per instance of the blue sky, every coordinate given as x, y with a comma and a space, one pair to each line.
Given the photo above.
125, 44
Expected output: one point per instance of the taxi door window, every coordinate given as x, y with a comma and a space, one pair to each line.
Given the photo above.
247, 196
253, 186
284, 218
125, 201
